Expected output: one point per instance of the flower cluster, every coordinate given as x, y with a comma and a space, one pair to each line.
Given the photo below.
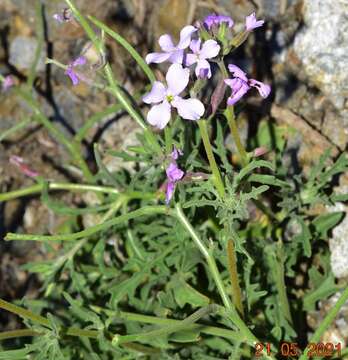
165, 97
174, 174
240, 85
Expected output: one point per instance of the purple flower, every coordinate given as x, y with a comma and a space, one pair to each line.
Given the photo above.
251, 23
8, 82
75, 78
174, 174
240, 85
64, 16
167, 97
208, 50
172, 53
216, 20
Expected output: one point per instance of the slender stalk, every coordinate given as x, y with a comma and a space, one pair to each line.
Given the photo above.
14, 129
168, 139
115, 88
231, 120
35, 189
329, 318
24, 313
82, 132
209, 330
180, 325
71, 145
246, 333
209, 151
125, 44
232, 268
18, 333
150, 210
38, 319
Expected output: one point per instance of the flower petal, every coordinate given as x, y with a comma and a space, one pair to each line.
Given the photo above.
176, 153
262, 88
203, 69
210, 49
190, 59
195, 46
173, 172
176, 57
166, 43
169, 191
237, 72
81, 60
239, 89
157, 57
177, 79
159, 115
156, 95
215, 20
189, 109
185, 36
72, 75
251, 22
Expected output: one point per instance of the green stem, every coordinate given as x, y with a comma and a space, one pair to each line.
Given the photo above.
24, 313
115, 88
72, 146
35, 189
246, 333
209, 151
231, 120
14, 129
209, 330
168, 139
82, 132
329, 318
18, 333
178, 326
150, 210
232, 267
125, 44
38, 319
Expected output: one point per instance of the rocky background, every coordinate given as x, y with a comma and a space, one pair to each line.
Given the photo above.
302, 51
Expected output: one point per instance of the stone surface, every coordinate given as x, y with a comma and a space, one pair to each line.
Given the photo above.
322, 47
22, 53
339, 242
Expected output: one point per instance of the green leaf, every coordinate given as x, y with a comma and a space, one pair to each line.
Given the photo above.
324, 223
185, 336
304, 238
186, 294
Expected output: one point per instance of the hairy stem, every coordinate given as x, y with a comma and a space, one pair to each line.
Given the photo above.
150, 210
180, 325
246, 333
115, 88
209, 151
71, 145
232, 268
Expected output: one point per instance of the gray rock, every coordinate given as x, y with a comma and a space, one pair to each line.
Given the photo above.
322, 47
22, 53
339, 242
